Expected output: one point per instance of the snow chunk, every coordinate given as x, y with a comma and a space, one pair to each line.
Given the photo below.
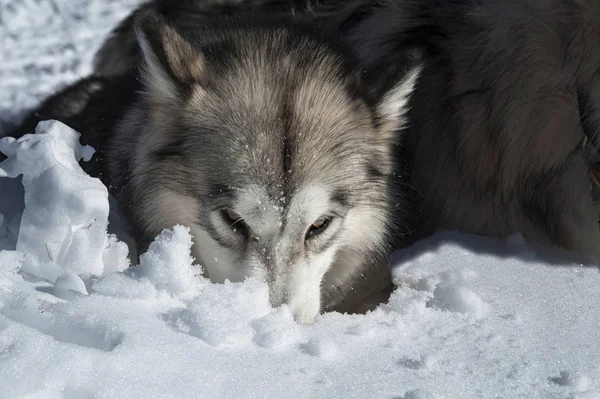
451, 294
70, 282
276, 330
115, 255
457, 299
168, 263
409, 305
66, 211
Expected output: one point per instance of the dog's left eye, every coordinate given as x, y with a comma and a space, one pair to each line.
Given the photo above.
318, 227
235, 222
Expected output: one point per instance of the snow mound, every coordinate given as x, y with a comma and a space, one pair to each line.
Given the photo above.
64, 225
168, 263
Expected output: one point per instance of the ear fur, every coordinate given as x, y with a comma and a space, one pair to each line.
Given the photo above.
393, 105
169, 61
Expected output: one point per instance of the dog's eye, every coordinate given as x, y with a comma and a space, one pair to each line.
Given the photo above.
235, 222
318, 227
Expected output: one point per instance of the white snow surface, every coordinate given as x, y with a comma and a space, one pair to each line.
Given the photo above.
471, 317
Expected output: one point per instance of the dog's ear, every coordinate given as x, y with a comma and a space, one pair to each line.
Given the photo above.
170, 62
391, 84
394, 102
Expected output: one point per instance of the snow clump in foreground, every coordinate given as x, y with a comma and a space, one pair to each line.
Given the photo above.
63, 230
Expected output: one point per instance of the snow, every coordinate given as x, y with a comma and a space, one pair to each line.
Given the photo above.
472, 317
64, 224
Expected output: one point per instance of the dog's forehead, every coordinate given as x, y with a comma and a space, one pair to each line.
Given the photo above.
273, 130
263, 127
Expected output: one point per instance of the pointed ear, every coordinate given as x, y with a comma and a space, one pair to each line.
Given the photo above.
393, 105
170, 62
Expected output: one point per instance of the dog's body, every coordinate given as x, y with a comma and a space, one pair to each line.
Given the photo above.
263, 137
501, 110
497, 121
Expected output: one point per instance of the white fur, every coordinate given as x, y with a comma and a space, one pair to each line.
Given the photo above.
304, 290
367, 225
304, 279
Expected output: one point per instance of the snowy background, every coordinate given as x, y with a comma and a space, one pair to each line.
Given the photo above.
473, 318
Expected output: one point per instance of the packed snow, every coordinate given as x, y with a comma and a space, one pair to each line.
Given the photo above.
471, 317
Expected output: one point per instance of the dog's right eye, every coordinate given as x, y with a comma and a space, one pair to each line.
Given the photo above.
318, 227
235, 222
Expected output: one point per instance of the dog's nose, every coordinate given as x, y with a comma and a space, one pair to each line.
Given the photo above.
304, 308
305, 317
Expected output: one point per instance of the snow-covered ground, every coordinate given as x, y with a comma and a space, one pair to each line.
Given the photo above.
472, 318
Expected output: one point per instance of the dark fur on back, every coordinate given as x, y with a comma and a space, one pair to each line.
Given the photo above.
500, 113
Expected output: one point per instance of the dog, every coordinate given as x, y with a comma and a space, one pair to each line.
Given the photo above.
263, 136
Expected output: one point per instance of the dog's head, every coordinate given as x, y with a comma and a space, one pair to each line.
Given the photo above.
266, 141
